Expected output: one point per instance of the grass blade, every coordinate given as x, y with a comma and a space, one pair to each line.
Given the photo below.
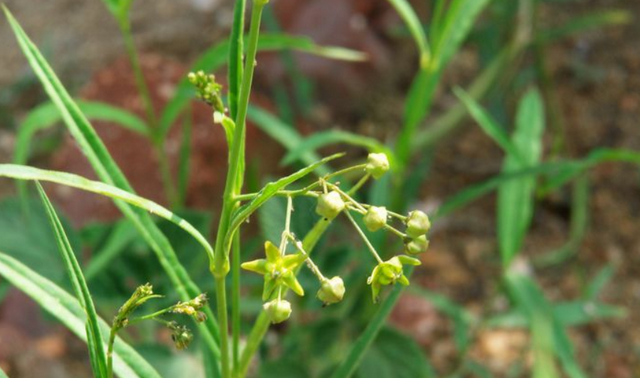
67, 309
487, 123
415, 27
353, 359
94, 337
22, 172
515, 197
324, 138
577, 25
108, 171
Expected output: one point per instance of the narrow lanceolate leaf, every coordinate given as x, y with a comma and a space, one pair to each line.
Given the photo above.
515, 198
415, 27
22, 172
270, 190
487, 123
325, 138
108, 172
94, 336
64, 307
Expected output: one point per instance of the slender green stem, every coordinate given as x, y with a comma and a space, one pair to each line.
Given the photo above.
310, 264
221, 297
235, 300
112, 339
364, 237
235, 55
233, 186
147, 103
143, 89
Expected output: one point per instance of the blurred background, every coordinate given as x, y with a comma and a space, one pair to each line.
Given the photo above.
581, 246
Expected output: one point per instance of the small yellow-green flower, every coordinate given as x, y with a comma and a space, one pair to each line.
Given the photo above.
278, 270
388, 273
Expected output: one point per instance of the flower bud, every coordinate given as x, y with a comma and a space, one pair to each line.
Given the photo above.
417, 224
377, 164
278, 310
375, 218
331, 291
417, 245
330, 205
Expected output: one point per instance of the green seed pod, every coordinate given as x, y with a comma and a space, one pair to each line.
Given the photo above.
417, 245
331, 290
330, 205
278, 310
417, 224
377, 165
375, 218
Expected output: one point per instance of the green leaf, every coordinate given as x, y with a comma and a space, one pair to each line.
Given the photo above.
515, 197
361, 345
324, 138
67, 309
415, 27
596, 284
487, 123
531, 301
549, 336
23, 172
394, 355
108, 171
27, 236
3, 374
580, 24
94, 337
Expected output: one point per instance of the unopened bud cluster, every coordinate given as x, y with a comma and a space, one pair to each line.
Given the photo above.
208, 90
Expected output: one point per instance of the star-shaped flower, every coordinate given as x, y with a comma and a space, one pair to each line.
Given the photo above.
388, 273
278, 270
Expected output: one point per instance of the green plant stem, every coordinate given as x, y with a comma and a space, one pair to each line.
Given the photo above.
235, 175
235, 55
364, 237
235, 300
221, 301
112, 339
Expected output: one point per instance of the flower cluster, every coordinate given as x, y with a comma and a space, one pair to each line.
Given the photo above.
279, 268
180, 334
